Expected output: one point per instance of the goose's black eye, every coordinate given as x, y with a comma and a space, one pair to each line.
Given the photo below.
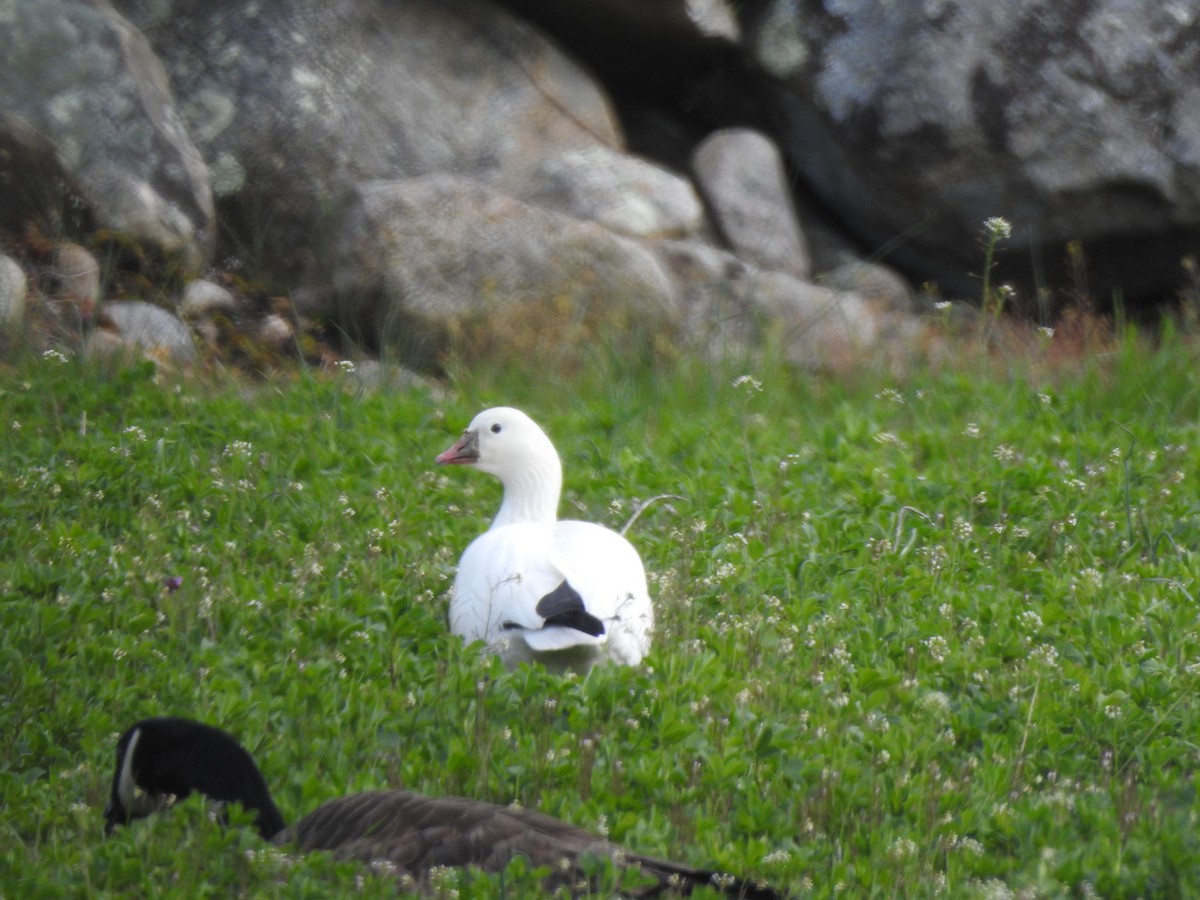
496, 428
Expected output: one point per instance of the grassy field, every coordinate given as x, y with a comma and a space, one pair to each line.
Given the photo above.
929, 636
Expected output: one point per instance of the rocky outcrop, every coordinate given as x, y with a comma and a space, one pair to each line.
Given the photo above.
295, 103
733, 310
1076, 122
432, 176
427, 176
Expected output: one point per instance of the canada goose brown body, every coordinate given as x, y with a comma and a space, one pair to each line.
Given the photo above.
419, 832
162, 759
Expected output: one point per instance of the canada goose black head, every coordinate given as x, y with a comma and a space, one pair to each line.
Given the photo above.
162, 760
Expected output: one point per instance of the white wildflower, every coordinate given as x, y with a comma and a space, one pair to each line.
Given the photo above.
238, 450
936, 701
937, 647
902, 848
752, 385
997, 228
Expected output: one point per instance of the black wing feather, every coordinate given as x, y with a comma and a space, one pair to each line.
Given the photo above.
564, 606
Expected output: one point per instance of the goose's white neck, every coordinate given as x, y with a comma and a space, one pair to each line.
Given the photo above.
531, 493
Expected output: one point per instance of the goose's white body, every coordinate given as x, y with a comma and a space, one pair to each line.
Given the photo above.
587, 577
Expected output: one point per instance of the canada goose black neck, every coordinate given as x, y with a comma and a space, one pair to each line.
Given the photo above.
161, 758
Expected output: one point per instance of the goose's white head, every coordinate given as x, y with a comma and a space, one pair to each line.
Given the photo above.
506, 443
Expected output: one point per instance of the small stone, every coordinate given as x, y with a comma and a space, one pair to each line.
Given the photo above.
275, 330
77, 277
13, 289
203, 299
151, 329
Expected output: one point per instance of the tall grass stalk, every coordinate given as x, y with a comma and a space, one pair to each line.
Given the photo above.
995, 230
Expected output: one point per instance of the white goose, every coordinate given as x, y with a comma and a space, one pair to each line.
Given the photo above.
566, 593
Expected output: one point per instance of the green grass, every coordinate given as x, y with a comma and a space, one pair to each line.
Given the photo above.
918, 637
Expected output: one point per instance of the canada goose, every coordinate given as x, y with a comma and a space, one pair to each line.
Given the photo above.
161, 760
566, 593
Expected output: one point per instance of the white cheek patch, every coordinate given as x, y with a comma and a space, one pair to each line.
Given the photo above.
126, 789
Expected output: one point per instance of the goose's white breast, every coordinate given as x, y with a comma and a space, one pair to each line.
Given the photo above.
501, 577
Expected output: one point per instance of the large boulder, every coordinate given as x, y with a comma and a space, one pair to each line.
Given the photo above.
89, 134
440, 262
294, 103
916, 122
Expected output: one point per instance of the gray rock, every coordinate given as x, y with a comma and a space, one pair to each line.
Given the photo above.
275, 331
878, 284
295, 102
75, 277
152, 330
441, 261
203, 299
741, 176
916, 122
733, 310
676, 25
435, 175
628, 195
713, 18
90, 132
13, 288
